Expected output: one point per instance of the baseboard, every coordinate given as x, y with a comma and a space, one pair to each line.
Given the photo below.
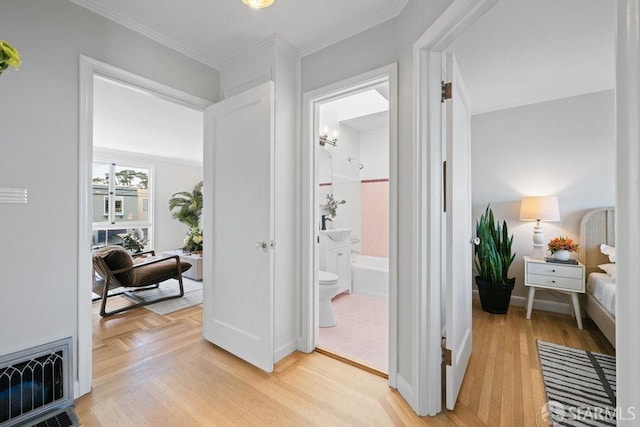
552, 306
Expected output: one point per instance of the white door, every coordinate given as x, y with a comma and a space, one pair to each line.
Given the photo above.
459, 233
239, 225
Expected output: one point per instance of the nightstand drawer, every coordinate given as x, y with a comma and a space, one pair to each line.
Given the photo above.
558, 282
551, 269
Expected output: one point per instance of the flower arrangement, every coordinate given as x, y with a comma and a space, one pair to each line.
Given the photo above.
132, 242
193, 240
9, 56
332, 205
562, 244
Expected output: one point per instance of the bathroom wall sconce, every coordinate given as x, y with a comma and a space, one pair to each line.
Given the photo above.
324, 139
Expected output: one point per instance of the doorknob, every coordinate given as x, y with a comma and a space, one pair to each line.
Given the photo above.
261, 245
476, 241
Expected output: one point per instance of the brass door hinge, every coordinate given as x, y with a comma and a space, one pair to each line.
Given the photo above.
446, 356
447, 88
446, 353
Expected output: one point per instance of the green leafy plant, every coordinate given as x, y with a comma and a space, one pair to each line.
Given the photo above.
193, 240
133, 242
186, 206
9, 56
493, 252
332, 205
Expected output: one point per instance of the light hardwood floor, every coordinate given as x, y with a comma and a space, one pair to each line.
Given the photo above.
152, 370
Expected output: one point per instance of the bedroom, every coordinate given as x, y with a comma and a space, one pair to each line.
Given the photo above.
548, 136
545, 137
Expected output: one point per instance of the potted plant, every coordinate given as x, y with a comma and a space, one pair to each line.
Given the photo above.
561, 248
133, 243
493, 258
186, 207
9, 56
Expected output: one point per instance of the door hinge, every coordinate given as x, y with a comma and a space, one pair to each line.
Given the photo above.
446, 357
446, 91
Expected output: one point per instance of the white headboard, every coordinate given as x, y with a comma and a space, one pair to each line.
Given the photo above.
596, 227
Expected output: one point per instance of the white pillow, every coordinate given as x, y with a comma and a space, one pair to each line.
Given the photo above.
610, 251
610, 269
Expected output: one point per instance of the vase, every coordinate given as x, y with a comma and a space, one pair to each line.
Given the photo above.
562, 255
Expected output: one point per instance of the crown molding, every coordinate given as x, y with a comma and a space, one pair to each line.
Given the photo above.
383, 16
274, 39
118, 18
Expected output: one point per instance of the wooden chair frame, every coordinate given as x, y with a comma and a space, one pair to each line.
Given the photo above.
111, 282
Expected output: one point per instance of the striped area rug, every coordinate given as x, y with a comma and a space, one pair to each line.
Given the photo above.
580, 386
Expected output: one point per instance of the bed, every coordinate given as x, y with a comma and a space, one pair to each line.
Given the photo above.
597, 227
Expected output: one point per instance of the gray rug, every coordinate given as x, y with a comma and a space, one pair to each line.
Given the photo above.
580, 386
192, 296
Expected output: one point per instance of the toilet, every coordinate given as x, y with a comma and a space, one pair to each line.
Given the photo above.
329, 288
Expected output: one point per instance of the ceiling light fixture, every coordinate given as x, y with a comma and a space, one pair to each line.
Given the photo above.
258, 4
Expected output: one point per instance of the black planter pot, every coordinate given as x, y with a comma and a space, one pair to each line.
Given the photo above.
495, 298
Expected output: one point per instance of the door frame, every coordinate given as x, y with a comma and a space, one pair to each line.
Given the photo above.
428, 154
309, 229
89, 68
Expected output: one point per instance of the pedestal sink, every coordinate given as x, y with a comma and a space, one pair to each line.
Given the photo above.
336, 234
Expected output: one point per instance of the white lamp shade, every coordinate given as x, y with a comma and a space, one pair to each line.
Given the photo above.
539, 208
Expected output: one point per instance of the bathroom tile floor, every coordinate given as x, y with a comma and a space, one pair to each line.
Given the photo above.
362, 330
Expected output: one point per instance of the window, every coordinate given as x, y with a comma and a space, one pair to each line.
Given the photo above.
126, 188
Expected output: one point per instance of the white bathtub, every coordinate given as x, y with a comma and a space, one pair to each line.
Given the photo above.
370, 276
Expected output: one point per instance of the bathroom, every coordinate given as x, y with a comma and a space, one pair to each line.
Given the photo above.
353, 167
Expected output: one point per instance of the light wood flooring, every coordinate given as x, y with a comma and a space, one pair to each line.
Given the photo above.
152, 370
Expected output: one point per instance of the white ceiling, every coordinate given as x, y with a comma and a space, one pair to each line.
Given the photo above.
368, 122
131, 120
520, 52
214, 31
527, 51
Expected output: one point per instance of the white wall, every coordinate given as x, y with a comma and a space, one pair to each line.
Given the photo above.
170, 176
564, 148
39, 151
374, 154
382, 45
345, 178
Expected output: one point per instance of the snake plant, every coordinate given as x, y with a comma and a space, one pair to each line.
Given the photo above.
493, 252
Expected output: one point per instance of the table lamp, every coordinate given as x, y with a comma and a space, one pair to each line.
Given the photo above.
539, 208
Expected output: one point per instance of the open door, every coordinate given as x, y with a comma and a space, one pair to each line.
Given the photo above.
458, 232
238, 312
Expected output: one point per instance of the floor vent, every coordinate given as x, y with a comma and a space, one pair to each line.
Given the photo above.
36, 384
66, 418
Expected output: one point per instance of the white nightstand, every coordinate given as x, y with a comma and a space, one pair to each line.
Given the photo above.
566, 278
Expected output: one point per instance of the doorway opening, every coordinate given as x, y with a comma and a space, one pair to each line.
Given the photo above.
353, 195
350, 292
130, 121
146, 150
